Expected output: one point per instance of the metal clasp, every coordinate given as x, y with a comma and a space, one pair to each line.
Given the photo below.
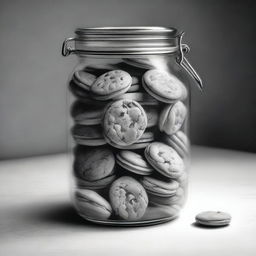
66, 48
184, 48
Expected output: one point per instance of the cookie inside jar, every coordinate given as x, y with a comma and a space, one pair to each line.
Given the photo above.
129, 127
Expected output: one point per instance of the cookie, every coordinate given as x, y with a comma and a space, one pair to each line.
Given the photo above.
141, 62
146, 138
164, 159
86, 114
110, 85
134, 88
179, 141
128, 198
95, 185
213, 218
88, 135
92, 164
176, 199
124, 122
84, 79
135, 80
133, 162
152, 115
90, 204
140, 97
172, 118
162, 85
158, 187
77, 91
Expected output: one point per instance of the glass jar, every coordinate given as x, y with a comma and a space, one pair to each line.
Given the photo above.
129, 109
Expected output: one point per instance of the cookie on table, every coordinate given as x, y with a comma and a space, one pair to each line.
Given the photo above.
159, 187
213, 218
172, 118
164, 159
93, 163
179, 141
146, 138
124, 122
163, 86
140, 97
128, 198
90, 204
88, 135
110, 85
84, 79
133, 162
86, 114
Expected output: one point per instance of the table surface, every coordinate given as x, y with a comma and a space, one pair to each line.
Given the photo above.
36, 217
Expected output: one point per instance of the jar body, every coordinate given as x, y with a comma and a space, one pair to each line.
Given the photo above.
129, 138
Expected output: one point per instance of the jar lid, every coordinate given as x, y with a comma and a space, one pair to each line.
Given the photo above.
125, 40
130, 41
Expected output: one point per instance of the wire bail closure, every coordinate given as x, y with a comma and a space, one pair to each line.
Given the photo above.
183, 62
70, 45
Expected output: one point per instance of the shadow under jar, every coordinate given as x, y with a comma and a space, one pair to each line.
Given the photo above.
129, 109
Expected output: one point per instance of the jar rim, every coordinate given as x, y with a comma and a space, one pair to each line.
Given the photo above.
136, 40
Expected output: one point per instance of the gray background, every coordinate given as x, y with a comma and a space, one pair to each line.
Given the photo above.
33, 74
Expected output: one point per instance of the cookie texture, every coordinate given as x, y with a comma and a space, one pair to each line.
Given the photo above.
164, 159
124, 122
92, 164
128, 198
213, 218
163, 86
172, 118
133, 162
84, 79
111, 84
91, 204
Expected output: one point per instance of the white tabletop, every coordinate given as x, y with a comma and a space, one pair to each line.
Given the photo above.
36, 217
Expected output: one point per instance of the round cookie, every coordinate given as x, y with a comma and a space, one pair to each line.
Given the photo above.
89, 203
128, 198
164, 159
152, 115
124, 122
176, 199
146, 138
88, 135
213, 218
92, 164
133, 162
179, 141
84, 79
111, 84
162, 85
160, 188
135, 80
140, 97
95, 185
172, 118
86, 114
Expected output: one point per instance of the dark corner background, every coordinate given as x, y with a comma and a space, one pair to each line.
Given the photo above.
33, 74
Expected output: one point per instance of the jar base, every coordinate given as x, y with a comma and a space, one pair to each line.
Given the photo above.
123, 223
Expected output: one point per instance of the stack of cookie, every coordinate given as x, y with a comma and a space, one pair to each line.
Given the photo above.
131, 146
